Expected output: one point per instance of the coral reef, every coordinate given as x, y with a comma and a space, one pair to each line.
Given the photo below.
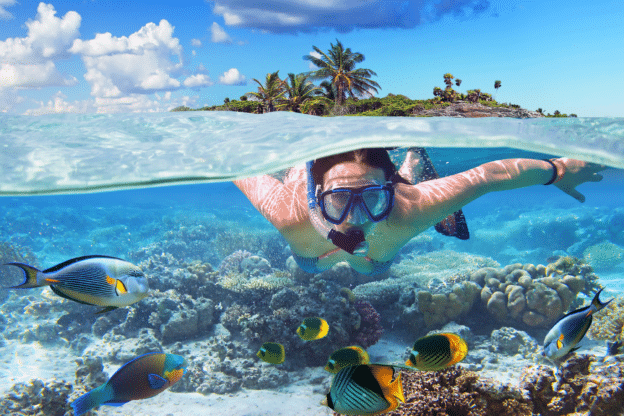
532, 295
582, 385
455, 391
232, 263
221, 365
440, 308
37, 398
608, 325
510, 341
604, 255
370, 329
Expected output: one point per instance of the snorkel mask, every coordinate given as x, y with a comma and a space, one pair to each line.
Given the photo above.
334, 206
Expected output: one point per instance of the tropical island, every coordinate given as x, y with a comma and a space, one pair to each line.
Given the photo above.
347, 90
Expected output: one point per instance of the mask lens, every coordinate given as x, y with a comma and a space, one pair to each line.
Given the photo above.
376, 201
336, 203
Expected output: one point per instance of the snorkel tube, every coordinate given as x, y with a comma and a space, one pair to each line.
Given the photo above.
353, 242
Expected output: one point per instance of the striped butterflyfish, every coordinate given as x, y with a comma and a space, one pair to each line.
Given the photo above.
345, 357
365, 390
93, 280
436, 352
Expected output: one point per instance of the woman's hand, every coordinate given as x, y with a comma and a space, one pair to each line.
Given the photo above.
576, 173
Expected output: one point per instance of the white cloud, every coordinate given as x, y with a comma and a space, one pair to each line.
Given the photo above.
57, 104
310, 64
198, 80
139, 103
218, 35
139, 63
29, 62
4, 14
341, 15
32, 76
196, 42
232, 77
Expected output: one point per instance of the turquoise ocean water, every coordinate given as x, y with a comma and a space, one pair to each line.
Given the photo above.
145, 187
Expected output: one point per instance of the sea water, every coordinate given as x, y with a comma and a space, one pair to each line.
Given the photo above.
73, 185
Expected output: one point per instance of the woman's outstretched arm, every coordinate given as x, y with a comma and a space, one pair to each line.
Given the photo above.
428, 202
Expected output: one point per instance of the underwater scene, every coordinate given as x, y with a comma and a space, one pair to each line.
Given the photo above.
137, 279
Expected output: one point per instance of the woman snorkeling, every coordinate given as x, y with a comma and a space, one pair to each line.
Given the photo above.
356, 207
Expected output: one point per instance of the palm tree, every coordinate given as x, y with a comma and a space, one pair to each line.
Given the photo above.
270, 93
458, 82
448, 80
299, 90
497, 85
338, 64
328, 90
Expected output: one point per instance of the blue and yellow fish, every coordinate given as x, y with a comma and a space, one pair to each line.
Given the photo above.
312, 329
93, 280
436, 352
570, 329
141, 378
272, 353
365, 390
345, 357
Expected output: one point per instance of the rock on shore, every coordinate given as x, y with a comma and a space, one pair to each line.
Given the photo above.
475, 110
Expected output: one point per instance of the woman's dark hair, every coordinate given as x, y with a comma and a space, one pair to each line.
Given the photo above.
375, 157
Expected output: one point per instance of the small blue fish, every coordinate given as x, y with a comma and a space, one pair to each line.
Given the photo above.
141, 378
570, 329
93, 280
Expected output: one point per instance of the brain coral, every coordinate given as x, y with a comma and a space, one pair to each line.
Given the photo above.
534, 295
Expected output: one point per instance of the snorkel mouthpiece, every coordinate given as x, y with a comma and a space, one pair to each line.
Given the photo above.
352, 242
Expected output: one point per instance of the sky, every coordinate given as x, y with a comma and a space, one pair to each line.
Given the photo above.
93, 56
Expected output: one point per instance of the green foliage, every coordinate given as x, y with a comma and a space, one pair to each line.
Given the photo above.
246, 106
391, 106
181, 108
318, 106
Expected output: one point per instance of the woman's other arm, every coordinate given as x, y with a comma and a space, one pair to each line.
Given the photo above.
279, 203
